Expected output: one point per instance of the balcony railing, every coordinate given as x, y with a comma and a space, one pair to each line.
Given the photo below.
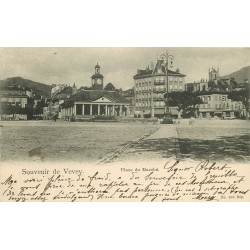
159, 82
156, 90
159, 99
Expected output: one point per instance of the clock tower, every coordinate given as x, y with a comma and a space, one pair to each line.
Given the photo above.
97, 79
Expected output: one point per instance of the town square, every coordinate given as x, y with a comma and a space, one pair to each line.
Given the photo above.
158, 111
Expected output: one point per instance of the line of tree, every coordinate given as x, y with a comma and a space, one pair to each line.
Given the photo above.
110, 87
243, 96
186, 102
30, 110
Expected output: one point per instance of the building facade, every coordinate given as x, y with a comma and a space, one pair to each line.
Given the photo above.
14, 102
214, 94
150, 85
95, 102
59, 93
217, 104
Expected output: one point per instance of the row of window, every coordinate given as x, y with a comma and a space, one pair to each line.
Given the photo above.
149, 104
175, 87
13, 92
158, 79
221, 106
142, 84
14, 99
139, 96
143, 80
21, 104
214, 98
143, 88
161, 87
158, 95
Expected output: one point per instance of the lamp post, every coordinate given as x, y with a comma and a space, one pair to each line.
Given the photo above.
168, 59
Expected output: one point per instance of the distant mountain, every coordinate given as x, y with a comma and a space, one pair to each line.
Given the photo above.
37, 87
240, 75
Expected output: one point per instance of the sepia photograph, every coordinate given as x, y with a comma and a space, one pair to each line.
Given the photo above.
124, 124
176, 117
118, 104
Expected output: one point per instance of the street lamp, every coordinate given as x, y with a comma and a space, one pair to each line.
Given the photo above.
168, 60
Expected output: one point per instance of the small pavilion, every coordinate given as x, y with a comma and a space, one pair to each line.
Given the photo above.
95, 102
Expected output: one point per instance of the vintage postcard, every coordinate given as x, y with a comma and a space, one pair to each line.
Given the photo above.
124, 124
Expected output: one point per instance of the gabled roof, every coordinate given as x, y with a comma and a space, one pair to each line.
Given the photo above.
12, 91
62, 94
12, 88
159, 65
143, 72
93, 95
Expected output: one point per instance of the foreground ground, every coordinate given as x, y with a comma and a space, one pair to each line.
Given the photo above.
66, 141
107, 142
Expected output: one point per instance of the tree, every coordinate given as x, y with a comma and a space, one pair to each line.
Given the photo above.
241, 96
29, 109
9, 109
85, 88
109, 87
6, 108
38, 109
184, 101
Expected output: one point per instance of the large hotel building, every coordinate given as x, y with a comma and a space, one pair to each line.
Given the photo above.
150, 85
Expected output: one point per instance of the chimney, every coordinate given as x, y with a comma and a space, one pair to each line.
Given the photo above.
206, 86
151, 65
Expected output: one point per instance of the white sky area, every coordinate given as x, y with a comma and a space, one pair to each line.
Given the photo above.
118, 65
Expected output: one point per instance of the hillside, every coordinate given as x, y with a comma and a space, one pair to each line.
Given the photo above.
38, 88
241, 74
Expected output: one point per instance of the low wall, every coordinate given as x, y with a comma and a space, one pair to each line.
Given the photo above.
210, 122
138, 120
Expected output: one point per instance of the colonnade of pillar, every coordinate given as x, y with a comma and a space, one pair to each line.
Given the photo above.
102, 109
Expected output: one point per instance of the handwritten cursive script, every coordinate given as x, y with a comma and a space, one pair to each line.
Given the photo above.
172, 181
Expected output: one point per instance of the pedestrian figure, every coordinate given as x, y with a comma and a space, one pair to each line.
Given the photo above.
55, 117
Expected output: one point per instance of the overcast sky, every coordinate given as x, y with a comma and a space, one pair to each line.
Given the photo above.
118, 65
